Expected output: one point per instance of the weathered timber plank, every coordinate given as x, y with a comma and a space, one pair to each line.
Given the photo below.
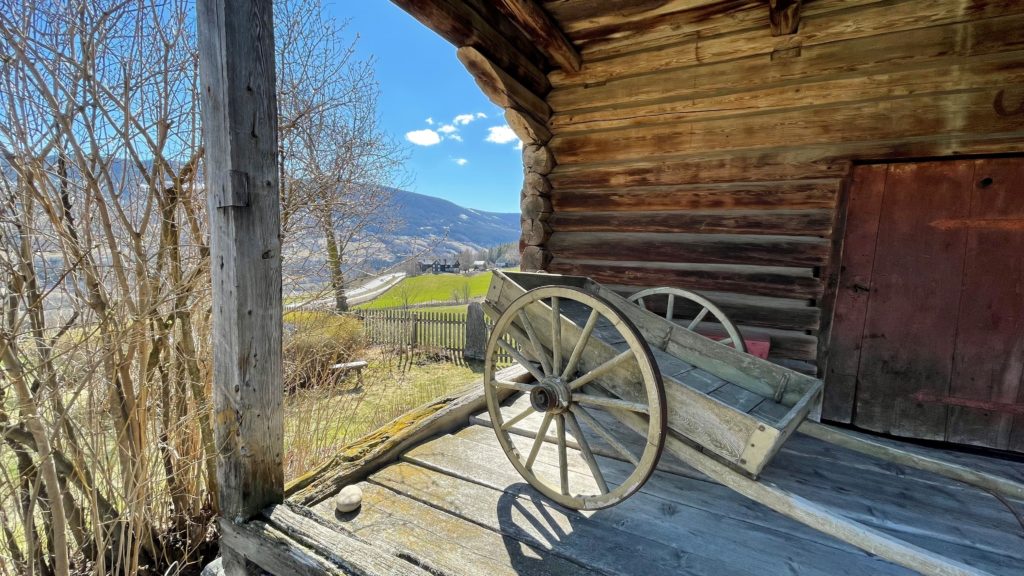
500, 87
753, 196
635, 27
533, 520
717, 248
386, 444
239, 112
984, 531
816, 223
352, 555
440, 542
809, 447
869, 539
908, 457
881, 23
273, 551
695, 516
904, 118
588, 19
865, 204
543, 31
930, 509
478, 23
889, 82
754, 280
810, 161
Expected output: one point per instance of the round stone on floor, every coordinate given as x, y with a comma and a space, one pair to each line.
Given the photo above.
349, 499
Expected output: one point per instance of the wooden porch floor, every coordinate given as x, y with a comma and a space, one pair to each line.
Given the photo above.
454, 505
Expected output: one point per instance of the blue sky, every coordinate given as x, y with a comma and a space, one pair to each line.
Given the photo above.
421, 82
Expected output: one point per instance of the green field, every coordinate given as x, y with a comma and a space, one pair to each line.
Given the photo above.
429, 288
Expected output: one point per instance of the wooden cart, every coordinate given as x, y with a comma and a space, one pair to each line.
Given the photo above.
603, 366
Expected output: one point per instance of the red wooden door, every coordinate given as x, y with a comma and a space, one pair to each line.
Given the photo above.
928, 334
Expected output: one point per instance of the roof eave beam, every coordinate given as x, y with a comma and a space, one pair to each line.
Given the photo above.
784, 16
538, 24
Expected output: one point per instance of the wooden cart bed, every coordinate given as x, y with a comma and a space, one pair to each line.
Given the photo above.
738, 407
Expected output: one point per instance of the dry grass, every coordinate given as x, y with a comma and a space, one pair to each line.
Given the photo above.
321, 419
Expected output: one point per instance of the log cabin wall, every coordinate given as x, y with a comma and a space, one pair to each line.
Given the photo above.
706, 144
695, 149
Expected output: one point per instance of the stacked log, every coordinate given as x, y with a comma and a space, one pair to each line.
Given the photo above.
535, 207
528, 115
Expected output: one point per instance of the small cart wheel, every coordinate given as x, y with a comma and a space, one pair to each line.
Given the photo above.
570, 391
734, 339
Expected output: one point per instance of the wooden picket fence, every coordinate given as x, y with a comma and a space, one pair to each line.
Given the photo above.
419, 329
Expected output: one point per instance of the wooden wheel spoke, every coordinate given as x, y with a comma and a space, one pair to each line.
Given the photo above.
726, 341
538, 441
511, 350
556, 336
563, 460
601, 370
507, 385
517, 418
671, 307
604, 434
606, 402
588, 454
577, 351
538, 350
697, 319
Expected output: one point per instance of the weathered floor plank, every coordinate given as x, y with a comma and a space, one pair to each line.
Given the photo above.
957, 520
749, 544
455, 505
527, 516
440, 542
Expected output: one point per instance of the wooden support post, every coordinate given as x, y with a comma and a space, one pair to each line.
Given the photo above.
239, 110
476, 333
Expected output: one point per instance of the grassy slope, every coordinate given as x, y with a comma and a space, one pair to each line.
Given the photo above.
430, 287
319, 422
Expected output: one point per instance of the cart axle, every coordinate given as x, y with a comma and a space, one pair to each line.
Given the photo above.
551, 396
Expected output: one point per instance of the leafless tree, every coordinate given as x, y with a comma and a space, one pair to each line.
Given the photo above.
337, 164
104, 266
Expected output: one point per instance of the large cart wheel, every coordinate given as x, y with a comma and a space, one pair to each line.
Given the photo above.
571, 400
733, 338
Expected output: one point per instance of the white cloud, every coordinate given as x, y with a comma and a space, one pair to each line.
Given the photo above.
519, 145
481, 115
455, 137
430, 121
424, 137
447, 129
501, 134
464, 119
461, 161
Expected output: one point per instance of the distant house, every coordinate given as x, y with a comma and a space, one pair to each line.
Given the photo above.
479, 264
438, 266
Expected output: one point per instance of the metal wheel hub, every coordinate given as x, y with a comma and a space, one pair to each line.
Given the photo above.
550, 396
